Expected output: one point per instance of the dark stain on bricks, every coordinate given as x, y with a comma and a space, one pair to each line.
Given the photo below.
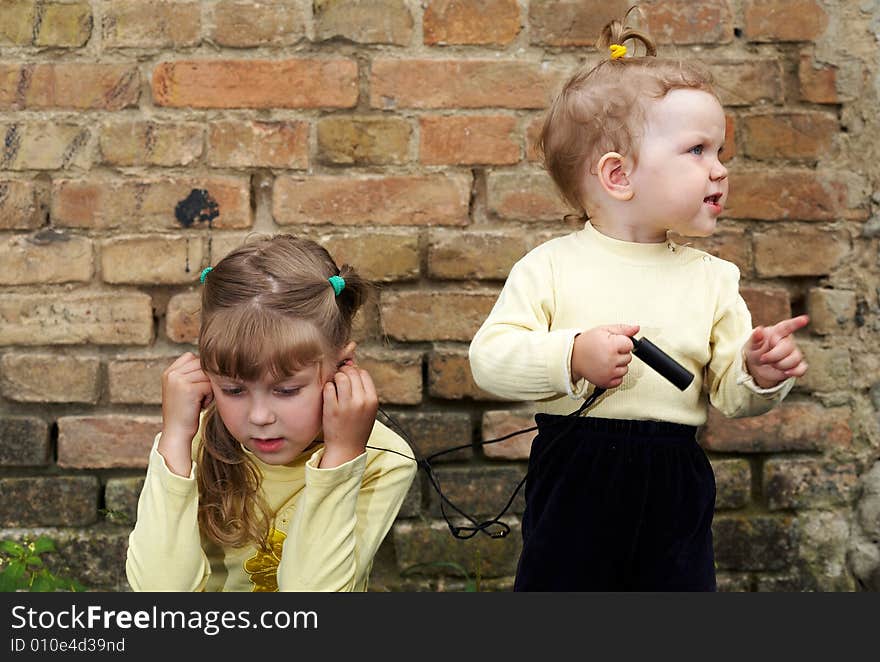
75, 145
24, 82
115, 98
11, 145
197, 207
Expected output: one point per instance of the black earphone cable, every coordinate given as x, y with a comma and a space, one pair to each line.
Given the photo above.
494, 527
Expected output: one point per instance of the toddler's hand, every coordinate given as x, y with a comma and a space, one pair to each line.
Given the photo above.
350, 406
601, 355
772, 355
186, 390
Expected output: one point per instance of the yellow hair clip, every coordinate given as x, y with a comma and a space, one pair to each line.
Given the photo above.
617, 51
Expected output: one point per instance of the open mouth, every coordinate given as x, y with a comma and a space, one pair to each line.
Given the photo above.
714, 201
267, 445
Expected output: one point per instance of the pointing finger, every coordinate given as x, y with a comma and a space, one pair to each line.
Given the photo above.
789, 326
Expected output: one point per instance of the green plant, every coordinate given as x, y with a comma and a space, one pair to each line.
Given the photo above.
22, 567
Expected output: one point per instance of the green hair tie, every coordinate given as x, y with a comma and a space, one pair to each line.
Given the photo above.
204, 274
338, 283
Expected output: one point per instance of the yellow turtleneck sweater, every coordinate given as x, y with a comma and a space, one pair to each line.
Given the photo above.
686, 301
328, 524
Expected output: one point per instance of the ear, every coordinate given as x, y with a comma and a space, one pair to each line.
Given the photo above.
346, 354
613, 173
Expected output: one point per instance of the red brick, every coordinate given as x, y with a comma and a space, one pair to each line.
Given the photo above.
748, 82
393, 200
495, 22
147, 204
426, 315
688, 22
729, 148
469, 140
525, 196
461, 84
784, 20
106, 442
533, 137
243, 24
236, 144
500, 423
818, 83
76, 85
768, 305
300, 83
450, 377
572, 22
800, 251
801, 195
788, 427
789, 135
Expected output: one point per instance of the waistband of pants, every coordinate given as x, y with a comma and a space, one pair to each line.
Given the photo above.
634, 430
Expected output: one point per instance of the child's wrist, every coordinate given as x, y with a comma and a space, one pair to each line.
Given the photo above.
335, 457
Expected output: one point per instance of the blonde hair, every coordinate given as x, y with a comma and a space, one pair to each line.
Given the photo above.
601, 110
268, 308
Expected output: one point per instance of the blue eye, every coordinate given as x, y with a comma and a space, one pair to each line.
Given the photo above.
696, 149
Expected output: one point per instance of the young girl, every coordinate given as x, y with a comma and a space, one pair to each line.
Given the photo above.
285, 482
623, 499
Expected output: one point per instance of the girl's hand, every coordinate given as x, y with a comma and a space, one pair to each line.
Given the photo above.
601, 355
772, 355
350, 405
186, 390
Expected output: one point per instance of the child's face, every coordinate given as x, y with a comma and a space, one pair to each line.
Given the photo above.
679, 183
274, 419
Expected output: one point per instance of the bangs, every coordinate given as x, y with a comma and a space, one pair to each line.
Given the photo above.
248, 342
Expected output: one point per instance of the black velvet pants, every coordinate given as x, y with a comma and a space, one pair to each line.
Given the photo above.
617, 505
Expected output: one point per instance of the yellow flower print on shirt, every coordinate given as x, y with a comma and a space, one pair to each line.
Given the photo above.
263, 568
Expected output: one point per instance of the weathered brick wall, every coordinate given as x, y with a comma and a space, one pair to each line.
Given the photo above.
398, 132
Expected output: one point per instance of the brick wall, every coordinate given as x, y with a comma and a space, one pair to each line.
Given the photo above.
398, 133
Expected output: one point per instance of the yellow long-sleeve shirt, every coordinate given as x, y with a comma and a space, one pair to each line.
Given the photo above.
686, 302
328, 524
